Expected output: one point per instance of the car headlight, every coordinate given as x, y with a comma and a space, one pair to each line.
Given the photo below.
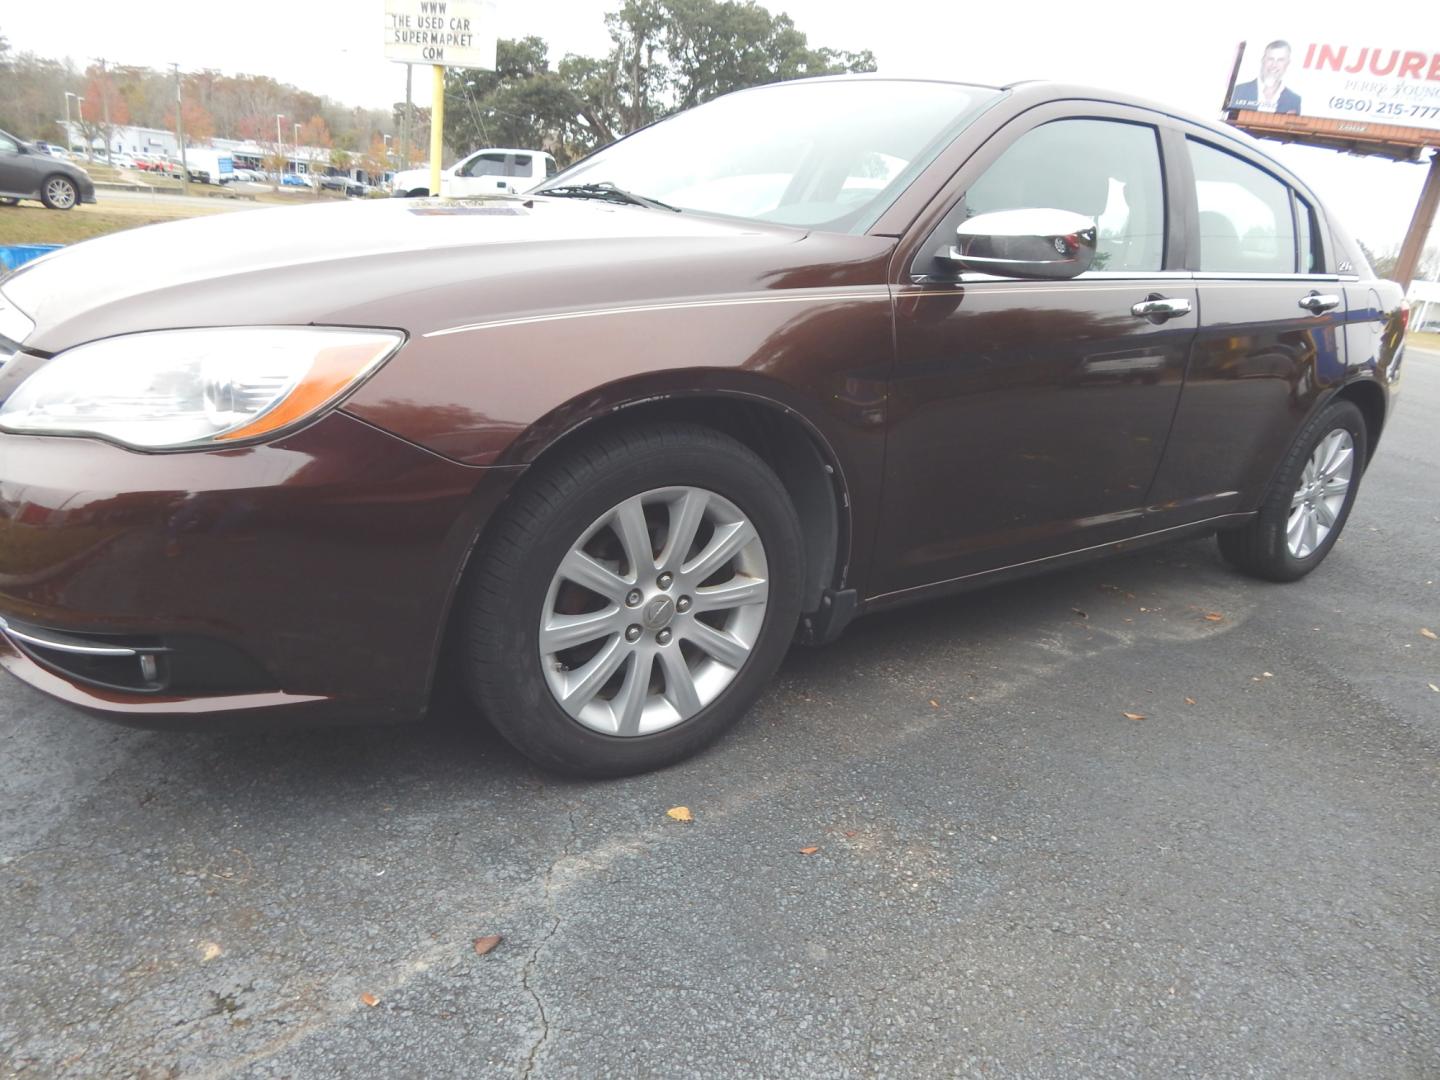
187, 389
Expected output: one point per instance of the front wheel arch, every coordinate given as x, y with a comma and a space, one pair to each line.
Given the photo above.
799, 454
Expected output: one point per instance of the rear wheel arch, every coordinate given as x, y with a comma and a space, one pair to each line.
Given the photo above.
1369, 398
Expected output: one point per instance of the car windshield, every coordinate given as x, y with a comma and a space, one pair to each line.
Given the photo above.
821, 154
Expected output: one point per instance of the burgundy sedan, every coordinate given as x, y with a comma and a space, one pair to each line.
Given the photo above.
804, 352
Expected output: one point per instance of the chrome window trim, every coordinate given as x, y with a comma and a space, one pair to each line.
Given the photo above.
1220, 275
970, 277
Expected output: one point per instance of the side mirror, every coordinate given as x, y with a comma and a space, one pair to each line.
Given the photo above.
1025, 244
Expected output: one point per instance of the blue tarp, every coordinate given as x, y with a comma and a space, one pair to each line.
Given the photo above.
15, 255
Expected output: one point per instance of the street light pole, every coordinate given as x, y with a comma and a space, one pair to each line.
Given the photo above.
180, 136
68, 140
80, 112
279, 152
105, 107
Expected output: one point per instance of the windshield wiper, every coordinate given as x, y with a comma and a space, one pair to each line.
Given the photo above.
608, 191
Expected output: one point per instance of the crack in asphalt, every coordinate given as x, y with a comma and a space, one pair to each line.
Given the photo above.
535, 1048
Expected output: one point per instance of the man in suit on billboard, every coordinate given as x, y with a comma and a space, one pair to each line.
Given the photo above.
1268, 93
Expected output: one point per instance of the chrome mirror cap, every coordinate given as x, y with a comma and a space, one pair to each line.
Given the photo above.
1036, 243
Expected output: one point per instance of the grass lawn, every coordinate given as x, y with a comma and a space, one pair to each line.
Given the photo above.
31, 223
1423, 341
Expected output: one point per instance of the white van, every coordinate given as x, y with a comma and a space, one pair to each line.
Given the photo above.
483, 172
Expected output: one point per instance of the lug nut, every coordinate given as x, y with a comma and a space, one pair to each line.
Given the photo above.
634, 597
683, 604
632, 633
664, 580
663, 637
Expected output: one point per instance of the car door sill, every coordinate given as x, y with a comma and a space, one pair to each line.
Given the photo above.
995, 575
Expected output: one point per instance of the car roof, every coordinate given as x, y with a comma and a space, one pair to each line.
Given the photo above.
1038, 91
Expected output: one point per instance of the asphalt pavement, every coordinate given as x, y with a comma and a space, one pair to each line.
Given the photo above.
1010, 876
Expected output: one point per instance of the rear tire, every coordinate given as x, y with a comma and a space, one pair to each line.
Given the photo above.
1305, 508
677, 684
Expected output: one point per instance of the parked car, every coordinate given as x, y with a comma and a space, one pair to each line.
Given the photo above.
482, 172
296, 180
801, 353
28, 173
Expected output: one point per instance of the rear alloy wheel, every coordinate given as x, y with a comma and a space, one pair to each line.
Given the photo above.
634, 600
58, 193
1308, 502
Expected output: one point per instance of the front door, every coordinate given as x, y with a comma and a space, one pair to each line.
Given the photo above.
16, 174
1028, 417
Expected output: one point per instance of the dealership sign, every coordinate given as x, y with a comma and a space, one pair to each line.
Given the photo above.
1334, 80
449, 33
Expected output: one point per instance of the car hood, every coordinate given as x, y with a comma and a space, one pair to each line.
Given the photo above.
416, 264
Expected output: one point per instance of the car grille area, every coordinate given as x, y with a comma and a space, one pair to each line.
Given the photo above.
141, 664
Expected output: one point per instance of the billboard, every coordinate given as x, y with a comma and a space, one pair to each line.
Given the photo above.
1334, 80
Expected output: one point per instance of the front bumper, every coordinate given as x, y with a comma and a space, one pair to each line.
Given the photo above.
309, 578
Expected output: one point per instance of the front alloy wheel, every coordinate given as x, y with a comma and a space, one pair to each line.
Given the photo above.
654, 611
633, 599
58, 193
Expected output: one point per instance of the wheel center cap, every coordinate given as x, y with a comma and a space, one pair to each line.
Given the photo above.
658, 612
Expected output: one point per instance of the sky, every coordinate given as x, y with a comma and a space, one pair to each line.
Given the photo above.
1180, 55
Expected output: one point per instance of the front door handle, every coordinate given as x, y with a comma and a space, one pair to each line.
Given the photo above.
1159, 308
1318, 303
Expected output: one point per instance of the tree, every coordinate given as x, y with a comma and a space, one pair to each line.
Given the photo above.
376, 161
199, 127
103, 109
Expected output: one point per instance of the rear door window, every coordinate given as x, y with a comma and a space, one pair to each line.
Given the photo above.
1245, 217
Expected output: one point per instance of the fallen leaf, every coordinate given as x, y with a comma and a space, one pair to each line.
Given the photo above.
369, 999
1189, 701
1077, 611
209, 951
680, 813
1214, 616
1434, 687
934, 704
1267, 674
808, 850
1426, 632
487, 943
1133, 716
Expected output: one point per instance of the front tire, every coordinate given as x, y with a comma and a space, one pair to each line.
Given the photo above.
1308, 502
634, 600
59, 193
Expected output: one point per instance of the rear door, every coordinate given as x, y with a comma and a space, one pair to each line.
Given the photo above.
1271, 334
1029, 417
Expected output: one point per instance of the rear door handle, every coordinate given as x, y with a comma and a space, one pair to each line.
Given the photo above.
1160, 308
1318, 303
